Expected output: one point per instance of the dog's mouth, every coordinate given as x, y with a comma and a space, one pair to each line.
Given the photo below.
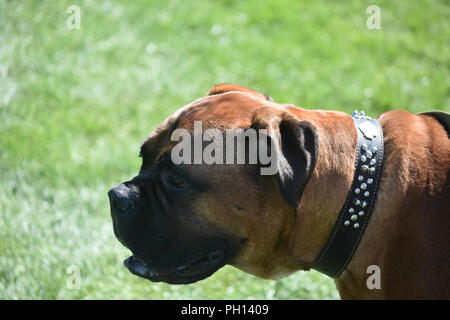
198, 268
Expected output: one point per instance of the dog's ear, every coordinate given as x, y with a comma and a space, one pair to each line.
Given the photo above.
296, 145
227, 87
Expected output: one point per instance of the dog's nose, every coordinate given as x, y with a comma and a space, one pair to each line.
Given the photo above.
120, 198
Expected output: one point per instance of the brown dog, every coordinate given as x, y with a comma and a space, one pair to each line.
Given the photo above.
183, 222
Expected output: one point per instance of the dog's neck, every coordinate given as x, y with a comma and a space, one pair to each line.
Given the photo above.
327, 189
326, 194
352, 283
396, 239
402, 240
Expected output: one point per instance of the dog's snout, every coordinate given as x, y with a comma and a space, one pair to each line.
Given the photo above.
121, 199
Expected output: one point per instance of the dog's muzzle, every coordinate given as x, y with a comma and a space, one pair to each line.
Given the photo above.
142, 224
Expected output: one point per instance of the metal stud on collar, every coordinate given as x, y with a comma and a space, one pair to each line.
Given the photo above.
360, 115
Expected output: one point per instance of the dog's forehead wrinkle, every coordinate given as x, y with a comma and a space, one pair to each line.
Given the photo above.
213, 111
217, 107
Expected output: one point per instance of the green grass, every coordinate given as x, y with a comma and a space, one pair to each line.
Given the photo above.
76, 104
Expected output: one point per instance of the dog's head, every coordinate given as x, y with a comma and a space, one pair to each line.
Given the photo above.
183, 220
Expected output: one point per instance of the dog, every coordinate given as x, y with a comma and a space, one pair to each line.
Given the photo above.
183, 222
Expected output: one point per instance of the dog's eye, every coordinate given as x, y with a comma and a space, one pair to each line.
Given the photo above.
176, 182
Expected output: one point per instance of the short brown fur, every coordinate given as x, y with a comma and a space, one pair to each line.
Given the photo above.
408, 235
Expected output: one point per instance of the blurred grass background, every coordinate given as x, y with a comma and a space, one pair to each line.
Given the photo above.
76, 104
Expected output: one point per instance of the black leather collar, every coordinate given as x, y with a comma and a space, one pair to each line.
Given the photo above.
354, 216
